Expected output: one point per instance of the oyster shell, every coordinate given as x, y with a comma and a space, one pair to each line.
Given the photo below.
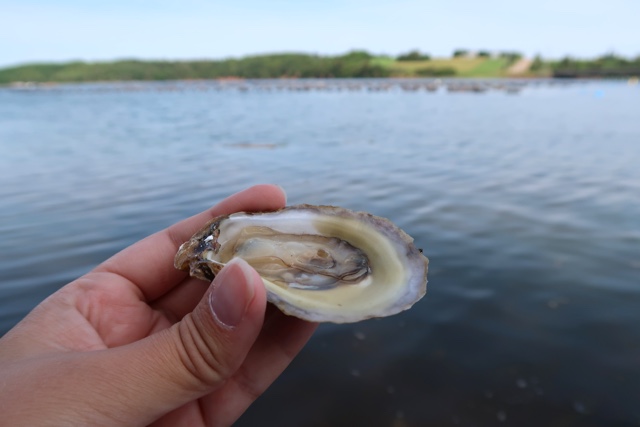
318, 263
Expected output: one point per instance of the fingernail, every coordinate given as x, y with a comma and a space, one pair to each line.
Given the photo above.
233, 291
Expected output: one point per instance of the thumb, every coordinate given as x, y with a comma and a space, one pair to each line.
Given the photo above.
196, 355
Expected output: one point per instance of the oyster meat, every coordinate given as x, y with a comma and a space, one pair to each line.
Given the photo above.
318, 263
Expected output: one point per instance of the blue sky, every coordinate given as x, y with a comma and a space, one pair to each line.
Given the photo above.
39, 30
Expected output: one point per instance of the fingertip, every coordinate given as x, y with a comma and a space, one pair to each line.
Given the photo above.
273, 192
283, 193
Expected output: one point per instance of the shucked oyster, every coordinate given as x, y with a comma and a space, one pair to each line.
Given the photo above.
319, 263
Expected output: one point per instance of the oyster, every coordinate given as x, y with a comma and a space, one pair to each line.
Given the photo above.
318, 263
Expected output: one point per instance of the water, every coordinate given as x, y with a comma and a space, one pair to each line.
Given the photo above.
528, 206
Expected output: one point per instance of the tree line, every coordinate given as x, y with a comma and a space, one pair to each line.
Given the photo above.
608, 65
416, 55
300, 65
293, 65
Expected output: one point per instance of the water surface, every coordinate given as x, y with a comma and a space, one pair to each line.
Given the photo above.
527, 205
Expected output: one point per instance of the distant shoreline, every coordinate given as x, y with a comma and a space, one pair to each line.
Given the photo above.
355, 64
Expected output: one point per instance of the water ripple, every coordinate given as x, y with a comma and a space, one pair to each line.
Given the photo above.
526, 205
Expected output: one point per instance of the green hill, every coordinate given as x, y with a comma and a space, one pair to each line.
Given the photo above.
354, 64
300, 65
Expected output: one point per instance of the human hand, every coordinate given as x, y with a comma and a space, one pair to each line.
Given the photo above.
137, 342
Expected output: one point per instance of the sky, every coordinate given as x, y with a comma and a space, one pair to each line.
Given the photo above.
64, 30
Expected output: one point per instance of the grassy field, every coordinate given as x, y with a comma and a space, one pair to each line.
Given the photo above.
492, 67
463, 67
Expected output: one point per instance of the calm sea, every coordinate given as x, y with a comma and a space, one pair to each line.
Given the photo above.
527, 202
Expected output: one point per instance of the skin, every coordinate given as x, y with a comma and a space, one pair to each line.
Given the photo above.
137, 342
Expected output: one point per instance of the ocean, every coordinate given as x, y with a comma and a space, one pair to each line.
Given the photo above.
525, 196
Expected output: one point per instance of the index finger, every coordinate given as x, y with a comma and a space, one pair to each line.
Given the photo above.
148, 264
